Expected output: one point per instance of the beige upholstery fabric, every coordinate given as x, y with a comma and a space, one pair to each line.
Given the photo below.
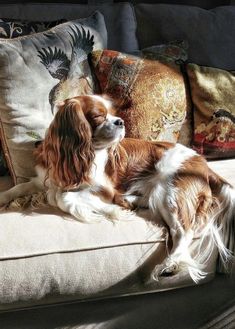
46, 257
225, 168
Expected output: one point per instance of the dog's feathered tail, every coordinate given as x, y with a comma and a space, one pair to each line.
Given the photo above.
226, 220
221, 224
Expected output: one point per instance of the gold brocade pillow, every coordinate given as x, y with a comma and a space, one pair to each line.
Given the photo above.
151, 94
214, 110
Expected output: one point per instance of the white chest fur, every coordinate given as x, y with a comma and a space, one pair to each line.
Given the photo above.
98, 168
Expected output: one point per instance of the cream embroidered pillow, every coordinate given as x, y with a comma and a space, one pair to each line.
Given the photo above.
36, 72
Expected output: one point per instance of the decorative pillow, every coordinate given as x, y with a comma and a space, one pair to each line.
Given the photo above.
36, 71
11, 28
175, 51
151, 94
214, 110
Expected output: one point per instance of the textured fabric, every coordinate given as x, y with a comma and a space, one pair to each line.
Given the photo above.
209, 33
46, 257
119, 18
37, 71
3, 165
12, 28
225, 168
186, 308
212, 93
151, 94
175, 51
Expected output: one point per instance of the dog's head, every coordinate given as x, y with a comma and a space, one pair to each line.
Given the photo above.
81, 126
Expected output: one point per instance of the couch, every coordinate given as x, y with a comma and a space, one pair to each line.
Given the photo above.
50, 263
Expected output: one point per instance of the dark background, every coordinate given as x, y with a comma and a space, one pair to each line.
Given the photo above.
200, 3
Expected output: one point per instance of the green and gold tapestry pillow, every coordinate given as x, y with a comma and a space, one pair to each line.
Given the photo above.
150, 94
212, 93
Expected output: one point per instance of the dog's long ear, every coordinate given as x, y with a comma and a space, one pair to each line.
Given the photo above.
68, 147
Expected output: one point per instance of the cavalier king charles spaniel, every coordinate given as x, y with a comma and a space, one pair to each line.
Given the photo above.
89, 170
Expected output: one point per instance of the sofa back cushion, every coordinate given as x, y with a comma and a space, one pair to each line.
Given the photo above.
119, 18
208, 32
207, 4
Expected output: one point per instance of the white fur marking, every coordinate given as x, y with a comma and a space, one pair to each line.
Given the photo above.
107, 103
173, 159
97, 172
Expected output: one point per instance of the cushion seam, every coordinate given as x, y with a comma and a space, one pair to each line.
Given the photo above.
6, 258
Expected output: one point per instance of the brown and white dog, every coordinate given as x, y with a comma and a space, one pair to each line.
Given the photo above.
89, 169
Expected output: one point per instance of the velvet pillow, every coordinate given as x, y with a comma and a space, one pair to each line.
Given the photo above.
36, 72
214, 110
11, 28
151, 94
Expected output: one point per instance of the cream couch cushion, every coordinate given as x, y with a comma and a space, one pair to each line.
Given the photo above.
47, 257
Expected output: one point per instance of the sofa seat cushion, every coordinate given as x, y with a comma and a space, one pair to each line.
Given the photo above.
225, 168
47, 257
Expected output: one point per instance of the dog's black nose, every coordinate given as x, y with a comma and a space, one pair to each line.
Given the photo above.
119, 122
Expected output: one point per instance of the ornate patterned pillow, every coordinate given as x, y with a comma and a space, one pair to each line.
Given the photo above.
37, 71
175, 51
151, 94
212, 92
12, 28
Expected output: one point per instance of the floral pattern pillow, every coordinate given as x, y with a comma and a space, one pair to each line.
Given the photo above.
11, 28
151, 94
